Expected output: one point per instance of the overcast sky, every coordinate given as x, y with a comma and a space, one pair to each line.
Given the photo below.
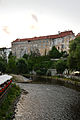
29, 18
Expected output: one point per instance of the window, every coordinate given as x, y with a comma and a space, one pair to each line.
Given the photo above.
47, 41
29, 41
62, 40
43, 45
46, 44
43, 41
62, 46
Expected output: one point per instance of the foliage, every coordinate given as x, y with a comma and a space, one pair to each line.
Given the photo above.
61, 65
32, 62
2, 65
11, 66
26, 56
35, 53
64, 54
21, 65
41, 68
6, 110
40, 64
10, 55
74, 55
54, 53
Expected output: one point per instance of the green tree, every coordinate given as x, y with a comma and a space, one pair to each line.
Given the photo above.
26, 56
64, 54
61, 65
74, 55
2, 67
10, 55
35, 53
3, 64
22, 66
11, 66
54, 53
41, 68
40, 64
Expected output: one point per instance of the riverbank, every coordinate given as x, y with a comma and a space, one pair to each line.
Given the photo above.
20, 79
67, 82
7, 107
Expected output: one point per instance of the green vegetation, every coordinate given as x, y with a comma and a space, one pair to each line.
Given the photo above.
74, 55
6, 109
33, 62
54, 53
61, 65
21, 66
40, 64
11, 65
3, 64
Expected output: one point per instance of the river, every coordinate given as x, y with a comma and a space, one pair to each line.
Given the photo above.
48, 102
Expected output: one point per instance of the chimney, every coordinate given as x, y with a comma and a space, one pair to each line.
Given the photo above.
59, 32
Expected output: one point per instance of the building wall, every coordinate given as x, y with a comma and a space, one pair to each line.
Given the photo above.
62, 44
43, 45
21, 48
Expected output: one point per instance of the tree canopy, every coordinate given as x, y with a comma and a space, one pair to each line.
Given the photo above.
61, 65
21, 65
74, 54
11, 66
3, 64
54, 53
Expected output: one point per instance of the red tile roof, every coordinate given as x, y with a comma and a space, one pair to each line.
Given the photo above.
78, 35
61, 34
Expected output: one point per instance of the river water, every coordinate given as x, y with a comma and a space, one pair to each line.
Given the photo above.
48, 102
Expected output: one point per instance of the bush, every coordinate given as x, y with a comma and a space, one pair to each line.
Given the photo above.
6, 109
61, 65
22, 66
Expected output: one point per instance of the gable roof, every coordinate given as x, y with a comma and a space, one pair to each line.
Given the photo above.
61, 34
78, 35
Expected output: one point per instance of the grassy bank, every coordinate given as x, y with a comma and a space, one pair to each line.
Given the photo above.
7, 107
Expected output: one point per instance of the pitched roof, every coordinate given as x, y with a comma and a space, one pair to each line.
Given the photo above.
78, 35
61, 34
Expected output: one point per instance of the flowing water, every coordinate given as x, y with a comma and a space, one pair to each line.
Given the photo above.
48, 102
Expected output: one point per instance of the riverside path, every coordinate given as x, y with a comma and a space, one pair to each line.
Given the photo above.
48, 102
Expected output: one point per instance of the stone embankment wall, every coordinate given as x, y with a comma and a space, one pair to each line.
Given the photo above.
75, 83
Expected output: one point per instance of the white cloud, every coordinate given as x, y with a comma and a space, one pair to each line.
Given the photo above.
22, 18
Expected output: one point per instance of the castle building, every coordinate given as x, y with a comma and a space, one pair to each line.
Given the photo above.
42, 44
